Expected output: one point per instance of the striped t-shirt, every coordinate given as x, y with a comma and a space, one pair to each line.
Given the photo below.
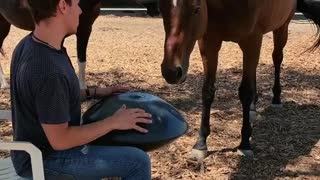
44, 90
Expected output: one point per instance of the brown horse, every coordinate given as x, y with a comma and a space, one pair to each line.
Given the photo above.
213, 21
15, 12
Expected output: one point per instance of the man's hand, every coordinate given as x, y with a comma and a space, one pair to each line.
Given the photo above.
102, 92
124, 119
63, 136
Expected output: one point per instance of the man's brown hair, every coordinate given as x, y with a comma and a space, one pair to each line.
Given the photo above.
43, 9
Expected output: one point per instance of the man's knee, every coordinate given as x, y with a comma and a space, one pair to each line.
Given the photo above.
141, 157
53, 175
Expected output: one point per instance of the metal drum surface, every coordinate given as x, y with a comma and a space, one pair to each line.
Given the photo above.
167, 123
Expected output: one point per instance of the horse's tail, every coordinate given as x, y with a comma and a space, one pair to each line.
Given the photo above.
311, 10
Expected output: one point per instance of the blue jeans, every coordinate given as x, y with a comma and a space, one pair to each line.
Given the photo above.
97, 162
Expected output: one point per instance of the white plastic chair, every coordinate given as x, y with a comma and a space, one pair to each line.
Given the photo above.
7, 172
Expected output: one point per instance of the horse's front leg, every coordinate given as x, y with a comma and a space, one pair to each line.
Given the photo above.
209, 49
247, 91
86, 21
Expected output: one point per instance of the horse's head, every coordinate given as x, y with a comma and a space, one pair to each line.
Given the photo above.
185, 21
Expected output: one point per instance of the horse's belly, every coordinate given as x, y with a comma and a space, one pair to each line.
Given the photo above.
275, 13
15, 15
234, 36
232, 31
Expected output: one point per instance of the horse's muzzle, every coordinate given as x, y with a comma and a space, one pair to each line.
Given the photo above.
173, 75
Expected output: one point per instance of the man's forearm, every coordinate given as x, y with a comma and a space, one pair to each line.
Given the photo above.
74, 136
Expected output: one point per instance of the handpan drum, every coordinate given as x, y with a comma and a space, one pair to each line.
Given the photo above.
167, 123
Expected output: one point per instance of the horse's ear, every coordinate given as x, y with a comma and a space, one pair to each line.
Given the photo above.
23, 4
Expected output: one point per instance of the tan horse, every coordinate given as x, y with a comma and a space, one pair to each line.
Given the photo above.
213, 21
15, 12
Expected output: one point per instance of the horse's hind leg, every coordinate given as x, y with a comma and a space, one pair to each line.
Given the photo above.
280, 37
3, 82
4, 31
84, 30
247, 90
83, 34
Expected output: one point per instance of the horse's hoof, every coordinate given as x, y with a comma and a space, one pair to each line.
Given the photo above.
198, 155
245, 153
277, 106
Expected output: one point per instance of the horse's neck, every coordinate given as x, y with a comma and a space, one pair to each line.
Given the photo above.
234, 6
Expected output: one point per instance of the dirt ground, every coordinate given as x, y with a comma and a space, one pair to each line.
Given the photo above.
129, 51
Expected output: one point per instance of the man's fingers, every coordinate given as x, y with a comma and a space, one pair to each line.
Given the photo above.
123, 107
123, 89
140, 129
120, 89
136, 110
143, 115
144, 120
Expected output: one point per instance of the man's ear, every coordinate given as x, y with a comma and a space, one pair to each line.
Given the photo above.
62, 7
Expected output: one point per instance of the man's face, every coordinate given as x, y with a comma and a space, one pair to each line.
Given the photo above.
72, 17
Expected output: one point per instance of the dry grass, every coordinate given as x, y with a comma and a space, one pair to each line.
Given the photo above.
128, 51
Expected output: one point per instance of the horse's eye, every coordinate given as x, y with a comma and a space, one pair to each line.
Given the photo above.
196, 10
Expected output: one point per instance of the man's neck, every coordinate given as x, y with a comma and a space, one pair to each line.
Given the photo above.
50, 33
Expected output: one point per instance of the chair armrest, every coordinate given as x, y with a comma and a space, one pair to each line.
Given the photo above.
33, 151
